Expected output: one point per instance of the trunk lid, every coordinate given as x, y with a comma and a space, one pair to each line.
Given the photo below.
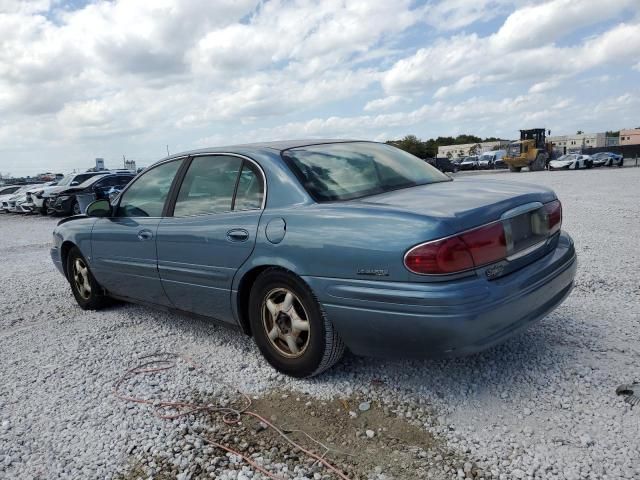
461, 204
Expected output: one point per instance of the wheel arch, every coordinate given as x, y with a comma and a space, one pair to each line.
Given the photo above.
65, 248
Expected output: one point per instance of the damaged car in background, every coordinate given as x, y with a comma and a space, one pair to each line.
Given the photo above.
73, 200
312, 247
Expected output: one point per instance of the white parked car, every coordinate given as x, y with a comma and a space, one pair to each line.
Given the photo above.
35, 197
18, 202
488, 159
571, 161
7, 200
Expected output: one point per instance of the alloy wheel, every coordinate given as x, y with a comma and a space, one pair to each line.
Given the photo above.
286, 322
81, 278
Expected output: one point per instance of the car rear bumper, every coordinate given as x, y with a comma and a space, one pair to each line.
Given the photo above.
454, 318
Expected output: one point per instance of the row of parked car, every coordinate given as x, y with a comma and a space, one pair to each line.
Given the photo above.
576, 161
494, 160
68, 196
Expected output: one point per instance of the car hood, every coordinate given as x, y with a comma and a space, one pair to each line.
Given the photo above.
54, 191
461, 203
562, 163
45, 190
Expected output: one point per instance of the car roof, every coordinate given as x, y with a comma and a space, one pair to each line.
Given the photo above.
264, 147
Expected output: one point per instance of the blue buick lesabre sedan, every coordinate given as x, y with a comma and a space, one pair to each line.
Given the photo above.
312, 247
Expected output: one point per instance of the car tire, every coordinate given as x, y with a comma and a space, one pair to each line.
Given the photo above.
75, 208
86, 290
538, 164
514, 169
290, 327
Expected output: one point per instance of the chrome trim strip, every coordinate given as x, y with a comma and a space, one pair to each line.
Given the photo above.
527, 250
527, 207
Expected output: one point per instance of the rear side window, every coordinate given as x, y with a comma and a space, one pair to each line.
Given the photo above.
250, 189
208, 186
146, 197
219, 183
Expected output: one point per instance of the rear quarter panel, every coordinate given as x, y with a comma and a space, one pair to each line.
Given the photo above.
328, 241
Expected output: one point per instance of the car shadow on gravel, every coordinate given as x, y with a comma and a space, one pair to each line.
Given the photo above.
523, 362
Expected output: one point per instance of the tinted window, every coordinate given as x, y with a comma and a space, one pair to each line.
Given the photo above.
208, 186
343, 171
250, 189
123, 180
146, 197
83, 178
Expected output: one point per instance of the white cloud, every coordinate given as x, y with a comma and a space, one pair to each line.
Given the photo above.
383, 103
435, 66
116, 75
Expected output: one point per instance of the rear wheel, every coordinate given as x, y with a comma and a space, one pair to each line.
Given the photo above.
289, 326
75, 208
84, 286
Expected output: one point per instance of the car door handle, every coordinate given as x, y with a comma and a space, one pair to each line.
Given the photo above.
237, 235
145, 235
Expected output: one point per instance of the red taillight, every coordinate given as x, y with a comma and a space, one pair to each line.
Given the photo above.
462, 252
554, 216
482, 245
486, 244
442, 256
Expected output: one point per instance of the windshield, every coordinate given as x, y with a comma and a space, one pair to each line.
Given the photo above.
344, 171
566, 158
66, 180
90, 181
486, 158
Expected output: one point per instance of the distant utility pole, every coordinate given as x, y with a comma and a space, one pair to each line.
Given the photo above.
168, 151
124, 162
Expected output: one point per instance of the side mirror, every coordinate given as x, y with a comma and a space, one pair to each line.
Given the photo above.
99, 208
74, 183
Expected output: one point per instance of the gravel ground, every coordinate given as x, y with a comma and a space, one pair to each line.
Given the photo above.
543, 405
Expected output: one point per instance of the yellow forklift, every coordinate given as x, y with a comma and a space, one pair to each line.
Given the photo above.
530, 151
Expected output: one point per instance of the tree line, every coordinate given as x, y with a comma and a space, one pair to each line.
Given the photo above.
429, 148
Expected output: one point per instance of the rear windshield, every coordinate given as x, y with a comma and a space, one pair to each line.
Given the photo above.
344, 171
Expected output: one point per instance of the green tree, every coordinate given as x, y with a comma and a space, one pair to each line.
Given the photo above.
411, 144
465, 138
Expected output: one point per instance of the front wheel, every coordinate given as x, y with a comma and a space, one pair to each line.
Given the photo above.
84, 286
75, 208
289, 326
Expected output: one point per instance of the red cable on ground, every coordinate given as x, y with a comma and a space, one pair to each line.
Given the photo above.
164, 364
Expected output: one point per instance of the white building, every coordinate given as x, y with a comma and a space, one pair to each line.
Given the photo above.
575, 143
464, 150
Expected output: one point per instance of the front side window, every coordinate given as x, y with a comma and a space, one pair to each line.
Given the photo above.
146, 197
344, 171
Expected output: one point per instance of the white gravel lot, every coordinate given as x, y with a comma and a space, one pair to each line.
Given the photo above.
543, 405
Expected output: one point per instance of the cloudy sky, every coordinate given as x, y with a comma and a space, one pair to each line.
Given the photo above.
80, 80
